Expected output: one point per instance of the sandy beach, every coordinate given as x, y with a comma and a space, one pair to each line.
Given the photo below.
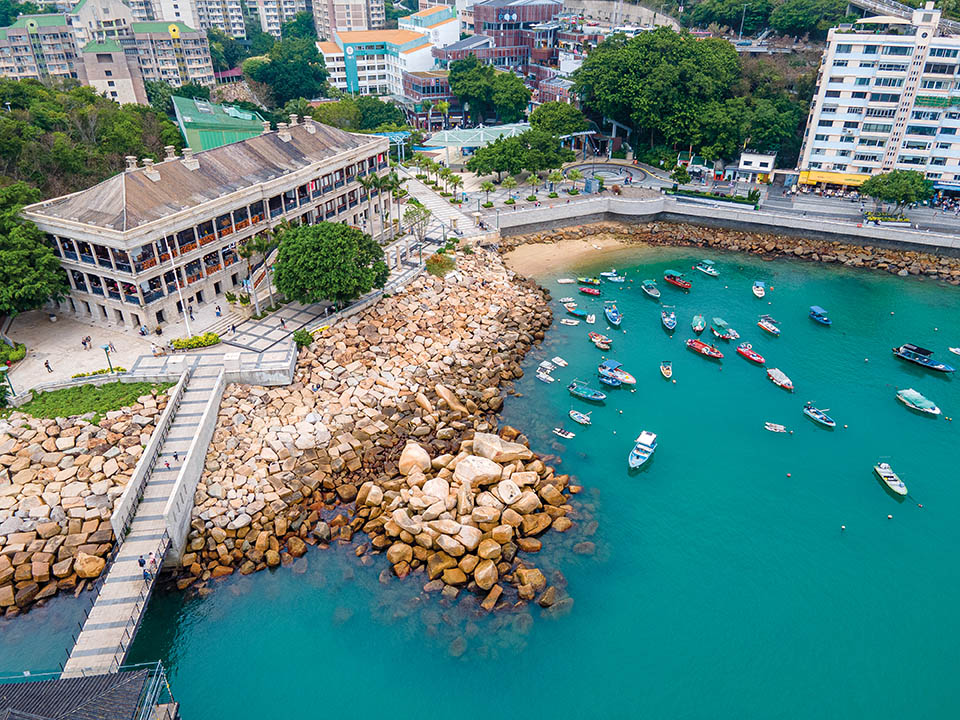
537, 260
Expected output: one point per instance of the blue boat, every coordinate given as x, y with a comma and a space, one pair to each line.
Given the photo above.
611, 381
613, 369
613, 314
921, 356
819, 315
646, 443
581, 390
818, 415
668, 317
572, 309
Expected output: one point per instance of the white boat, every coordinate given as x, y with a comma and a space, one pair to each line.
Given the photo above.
646, 443
591, 319
558, 361
579, 417
565, 434
890, 478
774, 427
955, 351
545, 377
759, 288
780, 378
914, 400
612, 272
547, 366
568, 301
568, 321
616, 279
565, 281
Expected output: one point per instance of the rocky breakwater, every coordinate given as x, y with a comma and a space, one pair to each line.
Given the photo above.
386, 441
59, 480
895, 261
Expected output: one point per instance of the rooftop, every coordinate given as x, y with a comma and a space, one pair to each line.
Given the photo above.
160, 27
131, 199
394, 37
476, 137
430, 73
330, 48
107, 46
45, 20
431, 11
471, 43
517, 3
206, 126
113, 696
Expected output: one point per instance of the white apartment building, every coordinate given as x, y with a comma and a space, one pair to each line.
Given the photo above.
225, 15
372, 62
332, 16
439, 23
274, 13
887, 97
173, 52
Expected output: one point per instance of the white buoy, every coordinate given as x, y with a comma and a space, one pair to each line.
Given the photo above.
842, 528
889, 517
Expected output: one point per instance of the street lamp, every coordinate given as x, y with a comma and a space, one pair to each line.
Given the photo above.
742, 18
106, 351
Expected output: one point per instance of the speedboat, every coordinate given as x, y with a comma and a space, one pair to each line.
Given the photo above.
558, 361
666, 368
613, 314
565, 434
611, 381
591, 319
698, 324
589, 291
579, 417
889, 478
650, 288
746, 349
707, 268
774, 427
818, 415
921, 356
612, 272
668, 317
611, 368
572, 309
588, 280
565, 281
546, 377
646, 443
704, 349
582, 390
567, 300
616, 279
676, 278
602, 345
568, 321
723, 331
780, 379
769, 324
546, 366
954, 350
759, 288
818, 314
914, 400
597, 337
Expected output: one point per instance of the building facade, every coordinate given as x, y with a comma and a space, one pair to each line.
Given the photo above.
40, 47
439, 23
333, 16
274, 13
112, 73
142, 246
372, 62
887, 97
225, 15
430, 86
173, 52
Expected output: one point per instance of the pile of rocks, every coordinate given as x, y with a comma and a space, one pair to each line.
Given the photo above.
320, 460
898, 262
59, 480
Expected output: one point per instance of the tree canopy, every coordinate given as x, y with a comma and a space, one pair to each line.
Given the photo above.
510, 97
558, 118
10, 10
295, 70
534, 151
30, 273
226, 51
901, 187
328, 261
159, 94
472, 82
301, 26
786, 17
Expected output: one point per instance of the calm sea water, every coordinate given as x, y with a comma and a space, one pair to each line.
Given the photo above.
722, 585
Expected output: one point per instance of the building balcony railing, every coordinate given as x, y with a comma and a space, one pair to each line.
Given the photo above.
275, 211
228, 261
114, 294
171, 288
254, 219
353, 203
104, 263
213, 268
329, 214
188, 247
87, 258
316, 193
290, 205
145, 265
225, 231
124, 267
132, 299
70, 255
194, 278
149, 297
338, 184
96, 290
207, 239
242, 224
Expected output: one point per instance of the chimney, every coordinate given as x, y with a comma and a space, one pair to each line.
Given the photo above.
131, 162
266, 127
149, 170
189, 161
308, 124
171, 152
293, 120
283, 131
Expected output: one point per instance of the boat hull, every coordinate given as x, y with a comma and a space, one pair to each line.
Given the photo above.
923, 361
820, 418
678, 282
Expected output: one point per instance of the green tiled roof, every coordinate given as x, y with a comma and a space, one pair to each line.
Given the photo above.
205, 126
108, 46
159, 27
49, 20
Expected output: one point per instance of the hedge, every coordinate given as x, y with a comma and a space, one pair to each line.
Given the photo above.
197, 341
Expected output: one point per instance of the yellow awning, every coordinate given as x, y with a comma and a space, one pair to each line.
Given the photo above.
812, 177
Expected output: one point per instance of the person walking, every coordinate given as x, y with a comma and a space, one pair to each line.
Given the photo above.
46, 364
233, 329
141, 562
176, 456
283, 323
146, 575
166, 464
153, 562
113, 348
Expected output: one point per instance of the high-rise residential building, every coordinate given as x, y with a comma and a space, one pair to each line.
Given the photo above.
173, 52
274, 13
111, 72
39, 47
439, 23
225, 15
372, 62
331, 16
887, 97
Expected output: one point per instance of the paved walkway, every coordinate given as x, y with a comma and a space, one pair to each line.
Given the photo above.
444, 213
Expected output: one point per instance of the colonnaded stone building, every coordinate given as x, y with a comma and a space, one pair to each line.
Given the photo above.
141, 245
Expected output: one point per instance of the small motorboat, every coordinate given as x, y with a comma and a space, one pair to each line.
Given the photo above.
567, 301
818, 314
666, 368
774, 427
650, 288
707, 268
921, 356
704, 349
759, 288
572, 309
746, 349
579, 417
616, 279
546, 366
611, 368
698, 324
596, 337
818, 415
676, 279
590, 291
915, 401
588, 280
889, 478
668, 317
613, 314
612, 272
780, 379
585, 392
568, 321
558, 361
646, 443
591, 319
723, 331
545, 377
769, 324
954, 350
565, 434
611, 381
602, 345
565, 281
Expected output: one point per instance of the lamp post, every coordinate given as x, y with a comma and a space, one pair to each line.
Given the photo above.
742, 18
6, 375
106, 351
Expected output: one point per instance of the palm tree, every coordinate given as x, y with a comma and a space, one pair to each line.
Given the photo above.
444, 107
264, 244
555, 178
534, 182
455, 182
509, 182
370, 183
573, 176
445, 174
428, 106
487, 187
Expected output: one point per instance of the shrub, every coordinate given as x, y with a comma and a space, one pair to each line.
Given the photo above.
531, 198
445, 194
197, 341
509, 201
573, 191
440, 264
244, 299
101, 371
455, 200
302, 338
487, 204
552, 195
13, 354
468, 250
620, 154
231, 298
888, 218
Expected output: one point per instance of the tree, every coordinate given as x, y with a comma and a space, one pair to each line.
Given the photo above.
300, 27
573, 176
455, 182
344, 114
554, 178
443, 107
729, 13
370, 183
328, 261
807, 17
903, 187
159, 94
509, 183
472, 83
428, 106
30, 274
295, 70
558, 118
680, 175
416, 217
510, 97
226, 51
487, 187
375, 113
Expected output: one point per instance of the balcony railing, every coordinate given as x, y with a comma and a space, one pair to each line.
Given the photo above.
227, 261
275, 211
149, 297
225, 231
124, 267
171, 288
145, 265
104, 262
194, 278
132, 299
96, 290
87, 258
330, 214
207, 239
213, 268
316, 193
70, 255
254, 219
188, 247
242, 224
338, 184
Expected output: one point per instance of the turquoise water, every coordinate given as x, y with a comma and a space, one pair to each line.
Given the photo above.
720, 586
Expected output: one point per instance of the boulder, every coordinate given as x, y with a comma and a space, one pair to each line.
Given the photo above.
452, 401
489, 549
399, 552
296, 546
469, 537
413, 458
508, 491
474, 470
454, 576
436, 487
88, 566
495, 448
486, 574
437, 563
532, 577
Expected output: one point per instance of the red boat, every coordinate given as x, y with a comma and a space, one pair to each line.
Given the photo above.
589, 291
704, 348
746, 349
676, 278
597, 337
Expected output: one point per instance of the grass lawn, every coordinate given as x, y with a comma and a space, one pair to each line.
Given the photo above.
84, 399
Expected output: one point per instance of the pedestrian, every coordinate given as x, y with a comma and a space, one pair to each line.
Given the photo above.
176, 456
113, 348
46, 364
190, 311
283, 323
141, 562
146, 575
83, 343
219, 312
167, 464
153, 561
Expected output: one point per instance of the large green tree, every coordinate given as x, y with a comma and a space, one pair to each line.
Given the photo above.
729, 13
375, 112
558, 118
295, 70
472, 82
807, 17
901, 187
301, 26
510, 97
534, 150
159, 94
30, 274
226, 51
328, 261
10, 10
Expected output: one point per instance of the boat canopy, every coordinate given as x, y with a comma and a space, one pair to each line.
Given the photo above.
759, 283
817, 310
720, 322
768, 319
673, 272
647, 438
916, 348
916, 398
610, 364
706, 262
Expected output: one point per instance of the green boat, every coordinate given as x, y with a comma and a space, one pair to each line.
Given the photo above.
585, 392
588, 280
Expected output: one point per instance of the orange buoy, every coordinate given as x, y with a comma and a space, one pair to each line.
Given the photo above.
919, 505
788, 474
